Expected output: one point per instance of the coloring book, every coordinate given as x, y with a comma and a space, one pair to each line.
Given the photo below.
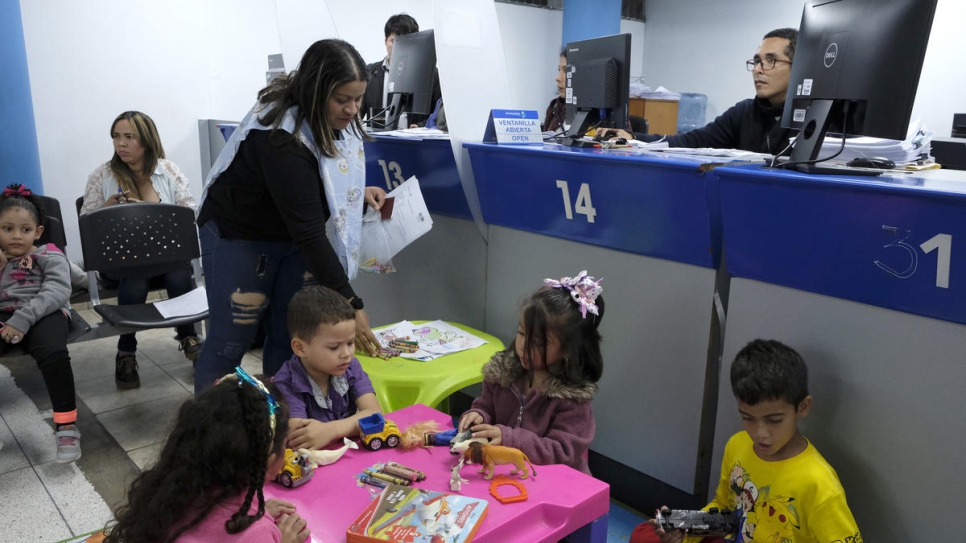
403, 514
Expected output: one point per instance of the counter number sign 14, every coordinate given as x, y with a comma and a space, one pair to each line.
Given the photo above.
941, 243
583, 204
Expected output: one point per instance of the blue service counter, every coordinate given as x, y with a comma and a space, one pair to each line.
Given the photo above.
864, 277
390, 161
649, 206
646, 226
419, 289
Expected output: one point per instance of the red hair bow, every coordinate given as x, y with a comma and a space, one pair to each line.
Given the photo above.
16, 190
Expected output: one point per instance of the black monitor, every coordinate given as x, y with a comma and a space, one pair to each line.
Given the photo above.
409, 83
856, 72
598, 83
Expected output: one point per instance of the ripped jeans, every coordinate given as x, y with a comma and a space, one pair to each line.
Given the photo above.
246, 281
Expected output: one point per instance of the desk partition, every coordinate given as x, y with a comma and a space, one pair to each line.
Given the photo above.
865, 278
644, 226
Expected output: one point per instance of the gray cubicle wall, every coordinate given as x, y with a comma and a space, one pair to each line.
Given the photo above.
656, 339
442, 275
211, 141
888, 403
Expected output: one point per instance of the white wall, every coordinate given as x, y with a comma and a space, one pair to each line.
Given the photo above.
184, 60
701, 46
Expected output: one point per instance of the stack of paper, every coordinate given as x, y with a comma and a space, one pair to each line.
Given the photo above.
915, 147
639, 90
416, 134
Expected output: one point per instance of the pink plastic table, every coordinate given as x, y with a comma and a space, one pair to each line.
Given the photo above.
562, 501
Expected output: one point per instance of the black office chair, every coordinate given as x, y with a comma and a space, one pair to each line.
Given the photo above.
139, 240
638, 124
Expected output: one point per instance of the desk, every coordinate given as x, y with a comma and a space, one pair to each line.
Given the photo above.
878, 314
648, 225
391, 160
561, 500
401, 382
661, 115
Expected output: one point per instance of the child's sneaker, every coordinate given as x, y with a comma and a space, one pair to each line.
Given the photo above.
68, 444
191, 346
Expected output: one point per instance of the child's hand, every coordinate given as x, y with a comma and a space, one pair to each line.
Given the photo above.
469, 419
11, 334
275, 507
312, 434
490, 432
676, 536
293, 528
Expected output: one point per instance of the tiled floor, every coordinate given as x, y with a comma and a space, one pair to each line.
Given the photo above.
122, 432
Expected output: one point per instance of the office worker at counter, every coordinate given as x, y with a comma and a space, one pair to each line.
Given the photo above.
282, 207
377, 93
753, 124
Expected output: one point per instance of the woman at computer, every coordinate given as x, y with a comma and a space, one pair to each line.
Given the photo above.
553, 121
138, 172
282, 207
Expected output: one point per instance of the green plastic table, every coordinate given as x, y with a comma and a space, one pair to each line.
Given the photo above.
400, 382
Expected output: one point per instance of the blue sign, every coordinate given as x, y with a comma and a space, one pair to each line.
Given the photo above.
652, 206
390, 161
513, 126
893, 242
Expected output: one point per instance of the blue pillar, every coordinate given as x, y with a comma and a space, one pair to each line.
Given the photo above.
19, 158
585, 19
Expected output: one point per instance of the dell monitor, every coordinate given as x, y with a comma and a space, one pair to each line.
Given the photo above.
856, 72
598, 83
411, 77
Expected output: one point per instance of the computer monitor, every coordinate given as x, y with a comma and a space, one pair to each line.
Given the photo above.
409, 83
856, 72
598, 83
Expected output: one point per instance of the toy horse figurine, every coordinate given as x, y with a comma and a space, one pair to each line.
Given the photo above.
489, 456
455, 480
326, 457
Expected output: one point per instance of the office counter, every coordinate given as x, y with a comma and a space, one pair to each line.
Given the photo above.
440, 275
645, 226
866, 278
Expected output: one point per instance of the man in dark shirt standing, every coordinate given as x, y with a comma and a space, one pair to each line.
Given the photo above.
753, 124
375, 98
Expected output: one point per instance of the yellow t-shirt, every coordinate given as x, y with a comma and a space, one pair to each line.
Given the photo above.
799, 500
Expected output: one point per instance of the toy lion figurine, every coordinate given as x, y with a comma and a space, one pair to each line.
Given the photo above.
489, 456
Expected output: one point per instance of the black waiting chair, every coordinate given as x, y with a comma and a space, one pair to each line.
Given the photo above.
138, 240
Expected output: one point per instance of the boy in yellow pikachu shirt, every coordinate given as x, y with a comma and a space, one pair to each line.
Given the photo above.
782, 488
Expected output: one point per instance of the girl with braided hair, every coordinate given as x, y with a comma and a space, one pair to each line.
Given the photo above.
34, 307
207, 483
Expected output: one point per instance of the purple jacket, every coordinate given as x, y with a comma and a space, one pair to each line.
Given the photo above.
551, 427
296, 387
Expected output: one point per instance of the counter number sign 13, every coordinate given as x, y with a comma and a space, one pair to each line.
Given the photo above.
392, 168
941, 243
582, 205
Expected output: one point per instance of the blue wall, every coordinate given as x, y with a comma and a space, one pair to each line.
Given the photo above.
585, 19
19, 158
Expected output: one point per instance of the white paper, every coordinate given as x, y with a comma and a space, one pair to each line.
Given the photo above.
185, 305
410, 217
437, 338
421, 133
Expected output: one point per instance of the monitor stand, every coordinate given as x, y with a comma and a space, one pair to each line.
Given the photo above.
808, 144
574, 137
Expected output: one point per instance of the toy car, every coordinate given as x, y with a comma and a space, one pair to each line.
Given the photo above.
296, 471
710, 522
375, 430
